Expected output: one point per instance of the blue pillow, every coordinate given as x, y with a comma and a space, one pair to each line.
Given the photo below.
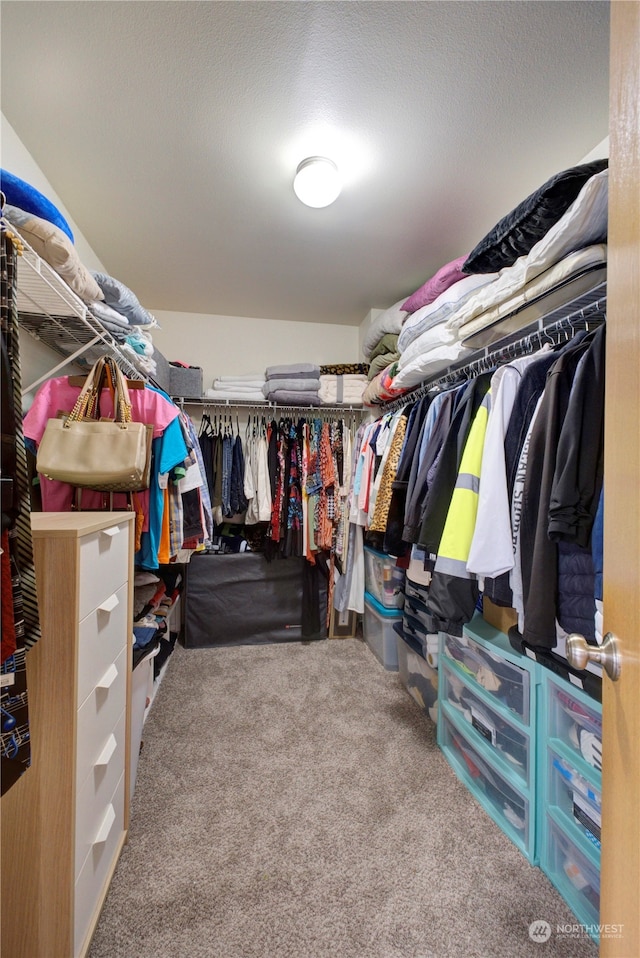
28, 198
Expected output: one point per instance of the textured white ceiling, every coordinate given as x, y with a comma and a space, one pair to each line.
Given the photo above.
172, 131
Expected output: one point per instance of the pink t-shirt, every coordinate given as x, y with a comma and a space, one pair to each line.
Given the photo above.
56, 395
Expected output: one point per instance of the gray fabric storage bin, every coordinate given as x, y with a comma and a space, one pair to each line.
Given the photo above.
186, 382
162, 376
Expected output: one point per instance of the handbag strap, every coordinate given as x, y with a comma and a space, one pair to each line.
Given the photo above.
84, 406
87, 404
122, 400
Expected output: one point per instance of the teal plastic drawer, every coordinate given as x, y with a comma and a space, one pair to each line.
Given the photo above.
510, 743
575, 797
507, 807
507, 683
576, 721
574, 875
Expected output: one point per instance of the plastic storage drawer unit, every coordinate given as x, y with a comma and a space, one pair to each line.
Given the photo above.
506, 806
576, 877
418, 677
507, 741
383, 579
379, 633
508, 683
571, 794
574, 722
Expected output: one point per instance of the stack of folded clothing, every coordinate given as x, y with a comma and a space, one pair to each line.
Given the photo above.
296, 384
237, 388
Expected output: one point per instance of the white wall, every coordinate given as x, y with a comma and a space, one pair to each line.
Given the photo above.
229, 346
221, 345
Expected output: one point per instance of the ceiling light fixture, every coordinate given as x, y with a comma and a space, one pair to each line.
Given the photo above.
317, 181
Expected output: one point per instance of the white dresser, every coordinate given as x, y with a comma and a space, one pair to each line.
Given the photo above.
65, 821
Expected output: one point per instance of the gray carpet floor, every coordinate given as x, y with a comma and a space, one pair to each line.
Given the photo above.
292, 802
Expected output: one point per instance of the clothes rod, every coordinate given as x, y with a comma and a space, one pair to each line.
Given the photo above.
266, 406
505, 351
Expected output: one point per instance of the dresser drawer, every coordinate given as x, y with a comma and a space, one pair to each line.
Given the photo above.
509, 742
98, 715
507, 683
97, 868
575, 723
102, 636
104, 565
95, 794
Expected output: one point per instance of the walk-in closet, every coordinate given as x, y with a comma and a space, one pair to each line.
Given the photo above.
320, 539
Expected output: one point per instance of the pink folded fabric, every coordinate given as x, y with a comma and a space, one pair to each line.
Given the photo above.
446, 276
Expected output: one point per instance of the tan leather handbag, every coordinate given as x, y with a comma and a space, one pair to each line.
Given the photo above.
111, 455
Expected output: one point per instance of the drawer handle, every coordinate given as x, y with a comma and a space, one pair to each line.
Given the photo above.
108, 678
105, 755
109, 604
103, 832
111, 531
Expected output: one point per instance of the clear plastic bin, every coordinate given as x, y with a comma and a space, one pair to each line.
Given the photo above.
383, 579
379, 633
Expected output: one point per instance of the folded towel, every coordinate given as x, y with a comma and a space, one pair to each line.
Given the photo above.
293, 371
247, 378
107, 314
241, 386
345, 390
240, 395
291, 397
297, 385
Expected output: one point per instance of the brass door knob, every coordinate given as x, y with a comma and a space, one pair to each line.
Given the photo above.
579, 652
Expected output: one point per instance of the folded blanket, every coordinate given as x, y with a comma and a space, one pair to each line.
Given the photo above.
345, 369
292, 397
294, 384
107, 314
240, 395
342, 389
293, 371
389, 321
387, 344
380, 362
